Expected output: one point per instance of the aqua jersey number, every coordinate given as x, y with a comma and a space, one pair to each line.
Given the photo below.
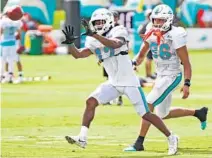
104, 52
164, 51
9, 32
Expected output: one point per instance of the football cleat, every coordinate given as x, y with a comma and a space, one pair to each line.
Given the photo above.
173, 144
19, 80
201, 114
76, 140
133, 148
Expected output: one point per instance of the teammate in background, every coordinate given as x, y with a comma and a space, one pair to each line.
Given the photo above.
168, 46
109, 44
8, 44
17, 60
141, 31
116, 17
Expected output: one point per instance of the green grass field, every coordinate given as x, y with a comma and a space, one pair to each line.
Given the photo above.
36, 116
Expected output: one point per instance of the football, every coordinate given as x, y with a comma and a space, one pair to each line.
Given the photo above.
15, 13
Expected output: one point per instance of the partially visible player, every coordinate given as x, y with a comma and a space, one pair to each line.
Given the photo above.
141, 31
8, 44
168, 46
17, 60
109, 44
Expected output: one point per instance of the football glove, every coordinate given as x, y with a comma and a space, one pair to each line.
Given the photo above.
69, 35
88, 30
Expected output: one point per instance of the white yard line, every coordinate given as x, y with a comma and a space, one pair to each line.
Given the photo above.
58, 138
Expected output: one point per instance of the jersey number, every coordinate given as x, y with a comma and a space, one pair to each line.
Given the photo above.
11, 31
164, 51
105, 50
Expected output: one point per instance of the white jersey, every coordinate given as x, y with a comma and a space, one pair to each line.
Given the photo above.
165, 56
118, 67
9, 29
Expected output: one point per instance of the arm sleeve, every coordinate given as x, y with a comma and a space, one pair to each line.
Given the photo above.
179, 40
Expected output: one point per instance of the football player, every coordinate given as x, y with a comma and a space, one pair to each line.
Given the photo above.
17, 60
8, 46
168, 46
109, 44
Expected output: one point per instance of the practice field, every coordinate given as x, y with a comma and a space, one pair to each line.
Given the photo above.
37, 115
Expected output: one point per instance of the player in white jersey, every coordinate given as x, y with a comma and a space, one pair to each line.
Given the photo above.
8, 44
17, 60
110, 46
168, 45
88, 40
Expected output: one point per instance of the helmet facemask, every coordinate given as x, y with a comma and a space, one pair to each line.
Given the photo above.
161, 24
99, 26
102, 21
162, 17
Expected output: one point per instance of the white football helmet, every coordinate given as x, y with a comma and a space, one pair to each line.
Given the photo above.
104, 15
162, 12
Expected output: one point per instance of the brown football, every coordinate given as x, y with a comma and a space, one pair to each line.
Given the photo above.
15, 13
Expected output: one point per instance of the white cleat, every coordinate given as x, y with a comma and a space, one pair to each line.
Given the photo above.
76, 140
173, 144
4, 81
113, 101
19, 80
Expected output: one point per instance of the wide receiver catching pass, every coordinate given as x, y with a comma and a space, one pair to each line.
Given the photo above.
109, 44
168, 45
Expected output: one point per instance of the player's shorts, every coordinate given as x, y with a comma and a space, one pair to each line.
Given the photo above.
17, 58
149, 55
106, 92
161, 95
9, 53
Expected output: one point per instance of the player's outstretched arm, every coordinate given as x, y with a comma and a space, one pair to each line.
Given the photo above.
79, 53
110, 42
70, 38
142, 53
183, 55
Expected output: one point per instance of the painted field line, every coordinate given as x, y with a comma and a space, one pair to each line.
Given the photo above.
58, 138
